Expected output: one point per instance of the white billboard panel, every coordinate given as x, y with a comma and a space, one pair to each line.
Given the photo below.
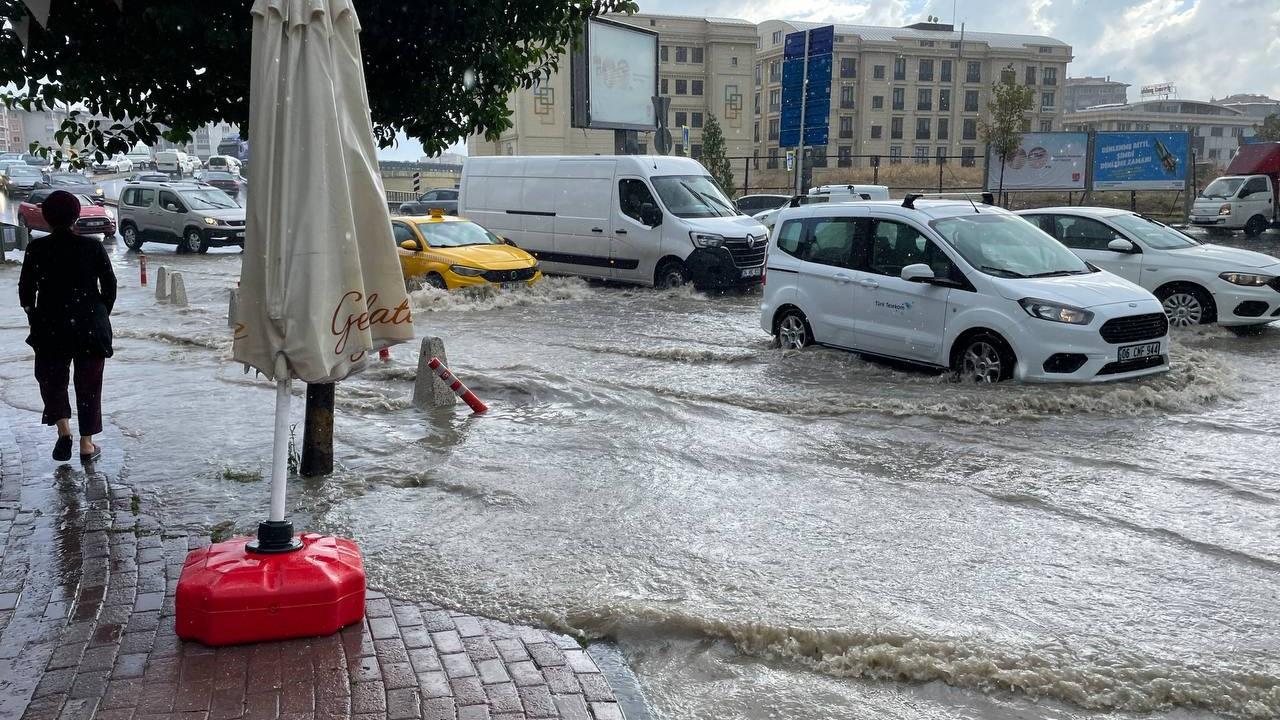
1044, 161
621, 76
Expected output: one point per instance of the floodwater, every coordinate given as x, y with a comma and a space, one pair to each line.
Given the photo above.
766, 534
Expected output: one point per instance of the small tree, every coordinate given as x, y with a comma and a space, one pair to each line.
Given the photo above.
713, 155
1269, 130
1002, 128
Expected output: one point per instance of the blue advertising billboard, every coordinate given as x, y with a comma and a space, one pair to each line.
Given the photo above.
1141, 160
806, 52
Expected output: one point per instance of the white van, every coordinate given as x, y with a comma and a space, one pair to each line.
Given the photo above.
644, 219
174, 162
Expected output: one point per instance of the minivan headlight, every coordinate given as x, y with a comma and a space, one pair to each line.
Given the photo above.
465, 271
1246, 279
706, 240
210, 221
1056, 312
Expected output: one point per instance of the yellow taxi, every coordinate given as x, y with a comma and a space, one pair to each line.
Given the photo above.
450, 252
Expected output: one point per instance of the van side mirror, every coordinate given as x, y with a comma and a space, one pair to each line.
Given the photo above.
918, 272
1120, 245
650, 215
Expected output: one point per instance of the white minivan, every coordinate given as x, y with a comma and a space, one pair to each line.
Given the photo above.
957, 285
174, 162
644, 219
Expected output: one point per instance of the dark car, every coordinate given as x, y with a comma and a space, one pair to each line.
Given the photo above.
20, 179
77, 185
439, 199
224, 181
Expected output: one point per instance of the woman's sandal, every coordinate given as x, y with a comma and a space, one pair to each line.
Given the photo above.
87, 458
62, 448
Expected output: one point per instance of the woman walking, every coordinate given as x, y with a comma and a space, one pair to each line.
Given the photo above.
67, 288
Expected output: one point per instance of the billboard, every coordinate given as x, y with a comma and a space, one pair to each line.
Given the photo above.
806, 86
1043, 161
614, 75
1141, 160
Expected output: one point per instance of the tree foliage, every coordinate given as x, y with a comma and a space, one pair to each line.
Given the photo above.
1269, 130
1002, 128
714, 157
437, 70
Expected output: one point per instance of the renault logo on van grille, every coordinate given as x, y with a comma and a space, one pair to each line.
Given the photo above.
754, 241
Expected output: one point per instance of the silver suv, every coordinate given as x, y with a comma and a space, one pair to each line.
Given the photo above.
195, 217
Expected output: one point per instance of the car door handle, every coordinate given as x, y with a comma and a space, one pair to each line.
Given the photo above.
841, 277
599, 230
868, 283
620, 232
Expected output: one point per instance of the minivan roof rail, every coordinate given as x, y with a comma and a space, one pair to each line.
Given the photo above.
987, 198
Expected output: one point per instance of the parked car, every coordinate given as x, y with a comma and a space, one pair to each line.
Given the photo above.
192, 165
20, 179
173, 162
970, 288
223, 163
94, 219
193, 217
443, 199
828, 193
76, 183
649, 220
1196, 283
752, 204
449, 252
148, 177
111, 165
224, 181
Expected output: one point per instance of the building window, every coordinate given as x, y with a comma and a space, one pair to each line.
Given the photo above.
682, 54
846, 96
970, 99
1046, 50
848, 67
895, 154
924, 99
755, 132
844, 156
1026, 124
1046, 126
922, 154
941, 155
877, 132
680, 148
663, 53
775, 71
662, 86
682, 118
966, 157
877, 72
846, 126
818, 156
970, 130
895, 128
773, 129
877, 102
1215, 131
1213, 153
733, 61
682, 87
775, 100
1031, 74
695, 151
697, 55
973, 73
899, 98
1046, 100
759, 74
695, 87
926, 70
757, 103
926, 43
944, 124
1008, 76
772, 162
944, 100
900, 69
1050, 76
695, 119
945, 74
922, 128
777, 37
1235, 131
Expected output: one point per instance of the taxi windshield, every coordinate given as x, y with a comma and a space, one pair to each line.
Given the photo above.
456, 234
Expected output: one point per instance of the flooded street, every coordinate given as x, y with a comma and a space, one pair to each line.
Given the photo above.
766, 534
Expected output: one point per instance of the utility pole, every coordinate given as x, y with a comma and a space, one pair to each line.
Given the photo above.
804, 101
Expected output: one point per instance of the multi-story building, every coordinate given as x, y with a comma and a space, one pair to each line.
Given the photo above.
1083, 92
1258, 106
207, 137
1216, 130
704, 67
11, 136
914, 92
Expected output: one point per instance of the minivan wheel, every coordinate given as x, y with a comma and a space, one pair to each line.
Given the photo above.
131, 238
1186, 305
195, 241
1256, 226
983, 358
671, 274
794, 332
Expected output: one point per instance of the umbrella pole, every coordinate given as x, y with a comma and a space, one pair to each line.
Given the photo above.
276, 534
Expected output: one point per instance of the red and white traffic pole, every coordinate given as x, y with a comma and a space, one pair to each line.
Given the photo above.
142, 267
456, 386
384, 354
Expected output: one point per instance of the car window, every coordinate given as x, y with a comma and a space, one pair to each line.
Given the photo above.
1081, 233
448, 195
1154, 234
401, 233
167, 198
1255, 185
139, 197
1004, 245
1044, 222
456, 234
789, 237
632, 195
38, 197
895, 245
838, 242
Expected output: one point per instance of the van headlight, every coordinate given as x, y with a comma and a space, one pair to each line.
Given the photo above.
465, 271
1056, 312
706, 240
1246, 279
210, 221
1225, 209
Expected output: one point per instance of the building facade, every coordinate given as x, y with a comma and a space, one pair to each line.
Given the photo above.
1216, 131
11, 133
1258, 106
704, 67
909, 94
1083, 92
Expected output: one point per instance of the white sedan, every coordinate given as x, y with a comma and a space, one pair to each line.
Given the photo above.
1196, 283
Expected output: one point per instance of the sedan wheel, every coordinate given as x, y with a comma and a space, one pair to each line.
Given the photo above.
982, 363
1184, 309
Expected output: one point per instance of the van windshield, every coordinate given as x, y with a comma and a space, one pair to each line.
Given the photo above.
693, 196
1222, 188
209, 200
1008, 246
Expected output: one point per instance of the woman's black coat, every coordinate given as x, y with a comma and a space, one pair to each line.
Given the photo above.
68, 289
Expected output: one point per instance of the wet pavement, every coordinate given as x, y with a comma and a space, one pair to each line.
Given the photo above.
762, 533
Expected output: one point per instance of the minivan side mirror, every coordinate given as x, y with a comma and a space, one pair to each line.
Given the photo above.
1120, 245
650, 215
918, 272
171, 207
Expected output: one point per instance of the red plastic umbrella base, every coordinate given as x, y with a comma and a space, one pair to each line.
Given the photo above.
228, 595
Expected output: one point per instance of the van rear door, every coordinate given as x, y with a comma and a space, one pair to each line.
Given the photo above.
584, 198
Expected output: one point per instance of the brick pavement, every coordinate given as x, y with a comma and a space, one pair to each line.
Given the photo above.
87, 582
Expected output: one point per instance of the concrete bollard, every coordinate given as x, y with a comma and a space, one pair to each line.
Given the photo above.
429, 391
232, 306
162, 284
177, 290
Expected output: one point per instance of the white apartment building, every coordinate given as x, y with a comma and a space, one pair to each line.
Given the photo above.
705, 67
915, 92
11, 135
1216, 130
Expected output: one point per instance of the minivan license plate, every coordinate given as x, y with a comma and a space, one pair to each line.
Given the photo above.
1138, 352
751, 272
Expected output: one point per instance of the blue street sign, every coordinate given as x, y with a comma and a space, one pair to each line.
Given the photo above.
806, 52
822, 40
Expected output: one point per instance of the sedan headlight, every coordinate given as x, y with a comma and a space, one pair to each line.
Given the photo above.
465, 271
97, 191
1056, 312
1246, 279
706, 240
210, 221
1225, 209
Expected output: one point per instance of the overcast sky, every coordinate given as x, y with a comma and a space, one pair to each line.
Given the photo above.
1208, 48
